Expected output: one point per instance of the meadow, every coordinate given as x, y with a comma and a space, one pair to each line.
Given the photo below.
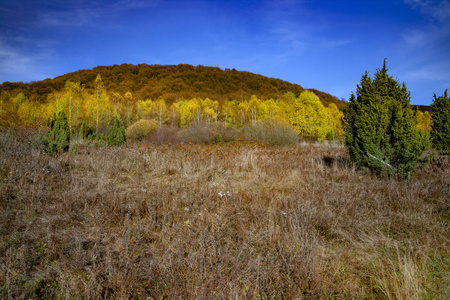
238, 220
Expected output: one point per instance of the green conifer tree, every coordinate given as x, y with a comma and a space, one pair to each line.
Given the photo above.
440, 132
381, 127
116, 134
58, 136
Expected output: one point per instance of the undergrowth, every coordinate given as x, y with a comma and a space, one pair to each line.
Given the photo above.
235, 220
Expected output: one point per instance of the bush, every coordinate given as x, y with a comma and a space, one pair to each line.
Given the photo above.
273, 131
165, 135
58, 136
440, 133
116, 134
381, 127
141, 129
208, 134
226, 133
197, 133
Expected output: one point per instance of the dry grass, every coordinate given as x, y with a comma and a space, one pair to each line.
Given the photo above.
217, 222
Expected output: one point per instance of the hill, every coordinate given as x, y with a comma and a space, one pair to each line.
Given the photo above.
170, 82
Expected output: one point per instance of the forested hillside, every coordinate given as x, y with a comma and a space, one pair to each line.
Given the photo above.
169, 82
173, 95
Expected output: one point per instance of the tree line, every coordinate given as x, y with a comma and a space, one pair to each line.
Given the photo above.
169, 82
98, 106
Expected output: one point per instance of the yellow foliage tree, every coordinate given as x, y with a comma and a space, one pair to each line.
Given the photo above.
160, 110
4, 103
128, 106
309, 116
73, 96
425, 121
98, 110
28, 112
335, 121
99, 93
253, 107
228, 112
146, 109
117, 104
209, 114
243, 109
270, 109
174, 111
189, 110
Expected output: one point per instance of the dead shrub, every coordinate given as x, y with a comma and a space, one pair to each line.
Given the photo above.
225, 133
165, 135
208, 134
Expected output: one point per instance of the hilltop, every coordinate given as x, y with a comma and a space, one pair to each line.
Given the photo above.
170, 82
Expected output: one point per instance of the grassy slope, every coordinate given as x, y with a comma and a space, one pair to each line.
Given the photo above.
151, 222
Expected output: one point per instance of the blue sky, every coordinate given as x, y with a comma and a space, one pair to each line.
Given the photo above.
322, 44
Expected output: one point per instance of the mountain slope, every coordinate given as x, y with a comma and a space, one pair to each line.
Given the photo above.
171, 82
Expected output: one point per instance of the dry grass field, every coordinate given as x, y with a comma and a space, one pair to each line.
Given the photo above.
224, 221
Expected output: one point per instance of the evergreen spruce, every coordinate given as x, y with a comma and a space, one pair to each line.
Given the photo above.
381, 127
58, 136
116, 134
440, 132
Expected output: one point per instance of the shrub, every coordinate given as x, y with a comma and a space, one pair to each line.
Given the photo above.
381, 127
197, 133
116, 134
273, 131
209, 134
58, 136
165, 135
141, 129
226, 133
440, 133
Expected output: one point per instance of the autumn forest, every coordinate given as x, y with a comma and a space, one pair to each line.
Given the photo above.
174, 95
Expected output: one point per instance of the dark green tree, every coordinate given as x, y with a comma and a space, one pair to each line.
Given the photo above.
380, 126
58, 135
116, 134
440, 132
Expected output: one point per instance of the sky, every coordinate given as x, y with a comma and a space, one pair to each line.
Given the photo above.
321, 44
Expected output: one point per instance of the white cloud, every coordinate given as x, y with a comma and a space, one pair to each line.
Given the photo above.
76, 18
438, 27
438, 9
19, 66
435, 72
415, 38
137, 3
11, 59
428, 43
297, 26
84, 13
